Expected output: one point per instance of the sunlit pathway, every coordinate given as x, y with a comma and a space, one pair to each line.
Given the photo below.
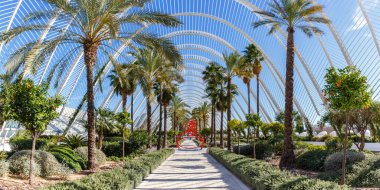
191, 169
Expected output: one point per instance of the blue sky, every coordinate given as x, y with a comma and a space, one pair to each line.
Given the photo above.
211, 29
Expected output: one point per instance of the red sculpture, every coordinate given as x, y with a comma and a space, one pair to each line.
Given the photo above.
190, 132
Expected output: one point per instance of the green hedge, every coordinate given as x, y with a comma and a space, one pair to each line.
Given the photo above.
260, 175
313, 160
126, 178
20, 143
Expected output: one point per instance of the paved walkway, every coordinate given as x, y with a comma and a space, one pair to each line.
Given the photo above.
191, 169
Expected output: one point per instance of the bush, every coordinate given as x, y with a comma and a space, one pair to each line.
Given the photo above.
313, 160
112, 148
263, 150
45, 164
113, 139
68, 157
261, 175
137, 141
4, 167
21, 143
334, 161
335, 144
365, 173
126, 178
101, 158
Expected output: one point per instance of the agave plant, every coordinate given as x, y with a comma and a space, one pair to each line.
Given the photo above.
75, 140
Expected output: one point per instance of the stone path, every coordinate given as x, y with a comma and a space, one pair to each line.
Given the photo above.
191, 169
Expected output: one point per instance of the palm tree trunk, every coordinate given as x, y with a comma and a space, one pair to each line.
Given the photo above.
123, 148
228, 114
31, 177
90, 55
221, 129
124, 99
204, 122
258, 100
288, 157
174, 123
212, 122
100, 136
214, 140
159, 130
148, 119
249, 108
165, 125
132, 113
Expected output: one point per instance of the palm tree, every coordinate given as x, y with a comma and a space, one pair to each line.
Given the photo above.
221, 106
212, 76
104, 120
204, 112
232, 61
250, 67
149, 67
124, 84
292, 15
178, 109
93, 26
165, 88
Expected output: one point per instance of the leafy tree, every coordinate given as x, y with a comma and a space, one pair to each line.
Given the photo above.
93, 26
237, 127
30, 105
291, 15
254, 122
276, 128
346, 90
123, 118
205, 132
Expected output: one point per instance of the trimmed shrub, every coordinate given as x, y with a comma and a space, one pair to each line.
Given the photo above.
101, 158
21, 143
365, 173
45, 165
126, 178
313, 160
112, 148
68, 157
262, 176
264, 149
19, 164
334, 161
4, 167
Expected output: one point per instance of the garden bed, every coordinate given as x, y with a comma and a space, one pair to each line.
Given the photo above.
127, 177
261, 175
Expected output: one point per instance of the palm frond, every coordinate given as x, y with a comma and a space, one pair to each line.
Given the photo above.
149, 17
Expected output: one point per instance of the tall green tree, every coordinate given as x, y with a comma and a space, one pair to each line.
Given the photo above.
93, 26
346, 90
213, 76
149, 66
165, 87
123, 118
123, 80
232, 61
104, 120
291, 15
31, 106
177, 108
248, 68
254, 121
